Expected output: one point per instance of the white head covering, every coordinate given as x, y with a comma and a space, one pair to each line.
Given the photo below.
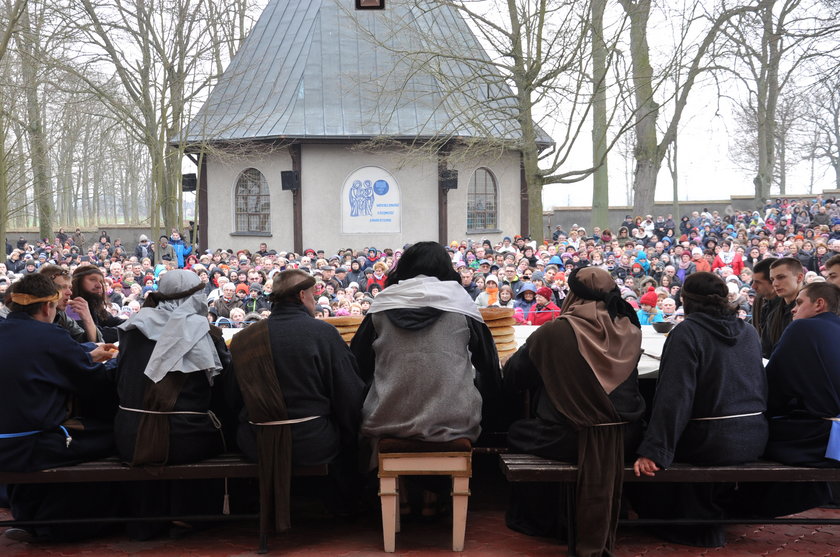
180, 328
423, 291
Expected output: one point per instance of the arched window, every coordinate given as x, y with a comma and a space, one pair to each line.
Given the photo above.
253, 206
482, 202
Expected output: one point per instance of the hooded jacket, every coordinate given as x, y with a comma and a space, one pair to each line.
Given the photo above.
417, 364
522, 308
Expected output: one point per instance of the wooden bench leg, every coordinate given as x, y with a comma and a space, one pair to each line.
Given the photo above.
263, 543
389, 500
570, 497
402, 493
460, 498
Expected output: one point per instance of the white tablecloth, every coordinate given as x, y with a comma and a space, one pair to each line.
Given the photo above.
652, 343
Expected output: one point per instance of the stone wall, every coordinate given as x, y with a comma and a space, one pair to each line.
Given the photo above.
127, 233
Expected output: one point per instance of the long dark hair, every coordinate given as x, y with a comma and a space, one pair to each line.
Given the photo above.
96, 303
423, 258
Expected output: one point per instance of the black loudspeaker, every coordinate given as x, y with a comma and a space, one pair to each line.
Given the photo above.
188, 182
370, 4
449, 179
290, 179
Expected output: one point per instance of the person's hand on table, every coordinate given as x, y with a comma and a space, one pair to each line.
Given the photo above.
103, 352
646, 466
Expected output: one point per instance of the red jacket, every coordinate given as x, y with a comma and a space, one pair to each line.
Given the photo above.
548, 312
373, 280
737, 264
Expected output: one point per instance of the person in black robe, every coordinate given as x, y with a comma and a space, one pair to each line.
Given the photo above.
708, 410
587, 409
36, 429
170, 359
317, 383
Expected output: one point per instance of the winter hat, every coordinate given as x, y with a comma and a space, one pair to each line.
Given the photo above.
649, 297
491, 278
545, 292
242, 287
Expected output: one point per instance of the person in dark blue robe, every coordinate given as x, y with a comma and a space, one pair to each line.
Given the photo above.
803, 379
803, 405
38, 430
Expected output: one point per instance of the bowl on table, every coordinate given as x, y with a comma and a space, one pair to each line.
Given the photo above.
662, 326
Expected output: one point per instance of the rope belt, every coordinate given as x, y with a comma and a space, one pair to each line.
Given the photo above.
608, 424
726, 417
216, 422
287, 422
68, 439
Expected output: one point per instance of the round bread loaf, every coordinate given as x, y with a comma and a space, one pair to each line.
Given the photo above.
345, 320
503, 322
504, 339
494, 313
501, 331
506, 346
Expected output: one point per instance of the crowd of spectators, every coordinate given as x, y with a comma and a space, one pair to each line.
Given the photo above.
649, 258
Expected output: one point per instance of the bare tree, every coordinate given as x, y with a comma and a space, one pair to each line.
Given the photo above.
600, 130
533, 70
694, 57
771, 46
746, 147
161, 55
11, 17
30, 46
823, 118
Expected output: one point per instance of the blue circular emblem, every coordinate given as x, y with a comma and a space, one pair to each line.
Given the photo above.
380, 187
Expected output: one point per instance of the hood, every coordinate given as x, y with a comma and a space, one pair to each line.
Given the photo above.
413, 318
728, 330
526, 287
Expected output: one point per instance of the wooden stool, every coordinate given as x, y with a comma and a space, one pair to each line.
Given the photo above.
403, 457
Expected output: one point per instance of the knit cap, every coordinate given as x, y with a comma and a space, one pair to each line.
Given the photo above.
649, 297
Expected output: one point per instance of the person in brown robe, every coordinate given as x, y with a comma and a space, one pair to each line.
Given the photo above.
581, 370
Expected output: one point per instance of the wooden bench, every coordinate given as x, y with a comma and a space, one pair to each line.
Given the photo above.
529, 468
113, 470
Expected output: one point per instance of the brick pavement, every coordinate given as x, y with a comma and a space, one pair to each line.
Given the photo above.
487, 536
